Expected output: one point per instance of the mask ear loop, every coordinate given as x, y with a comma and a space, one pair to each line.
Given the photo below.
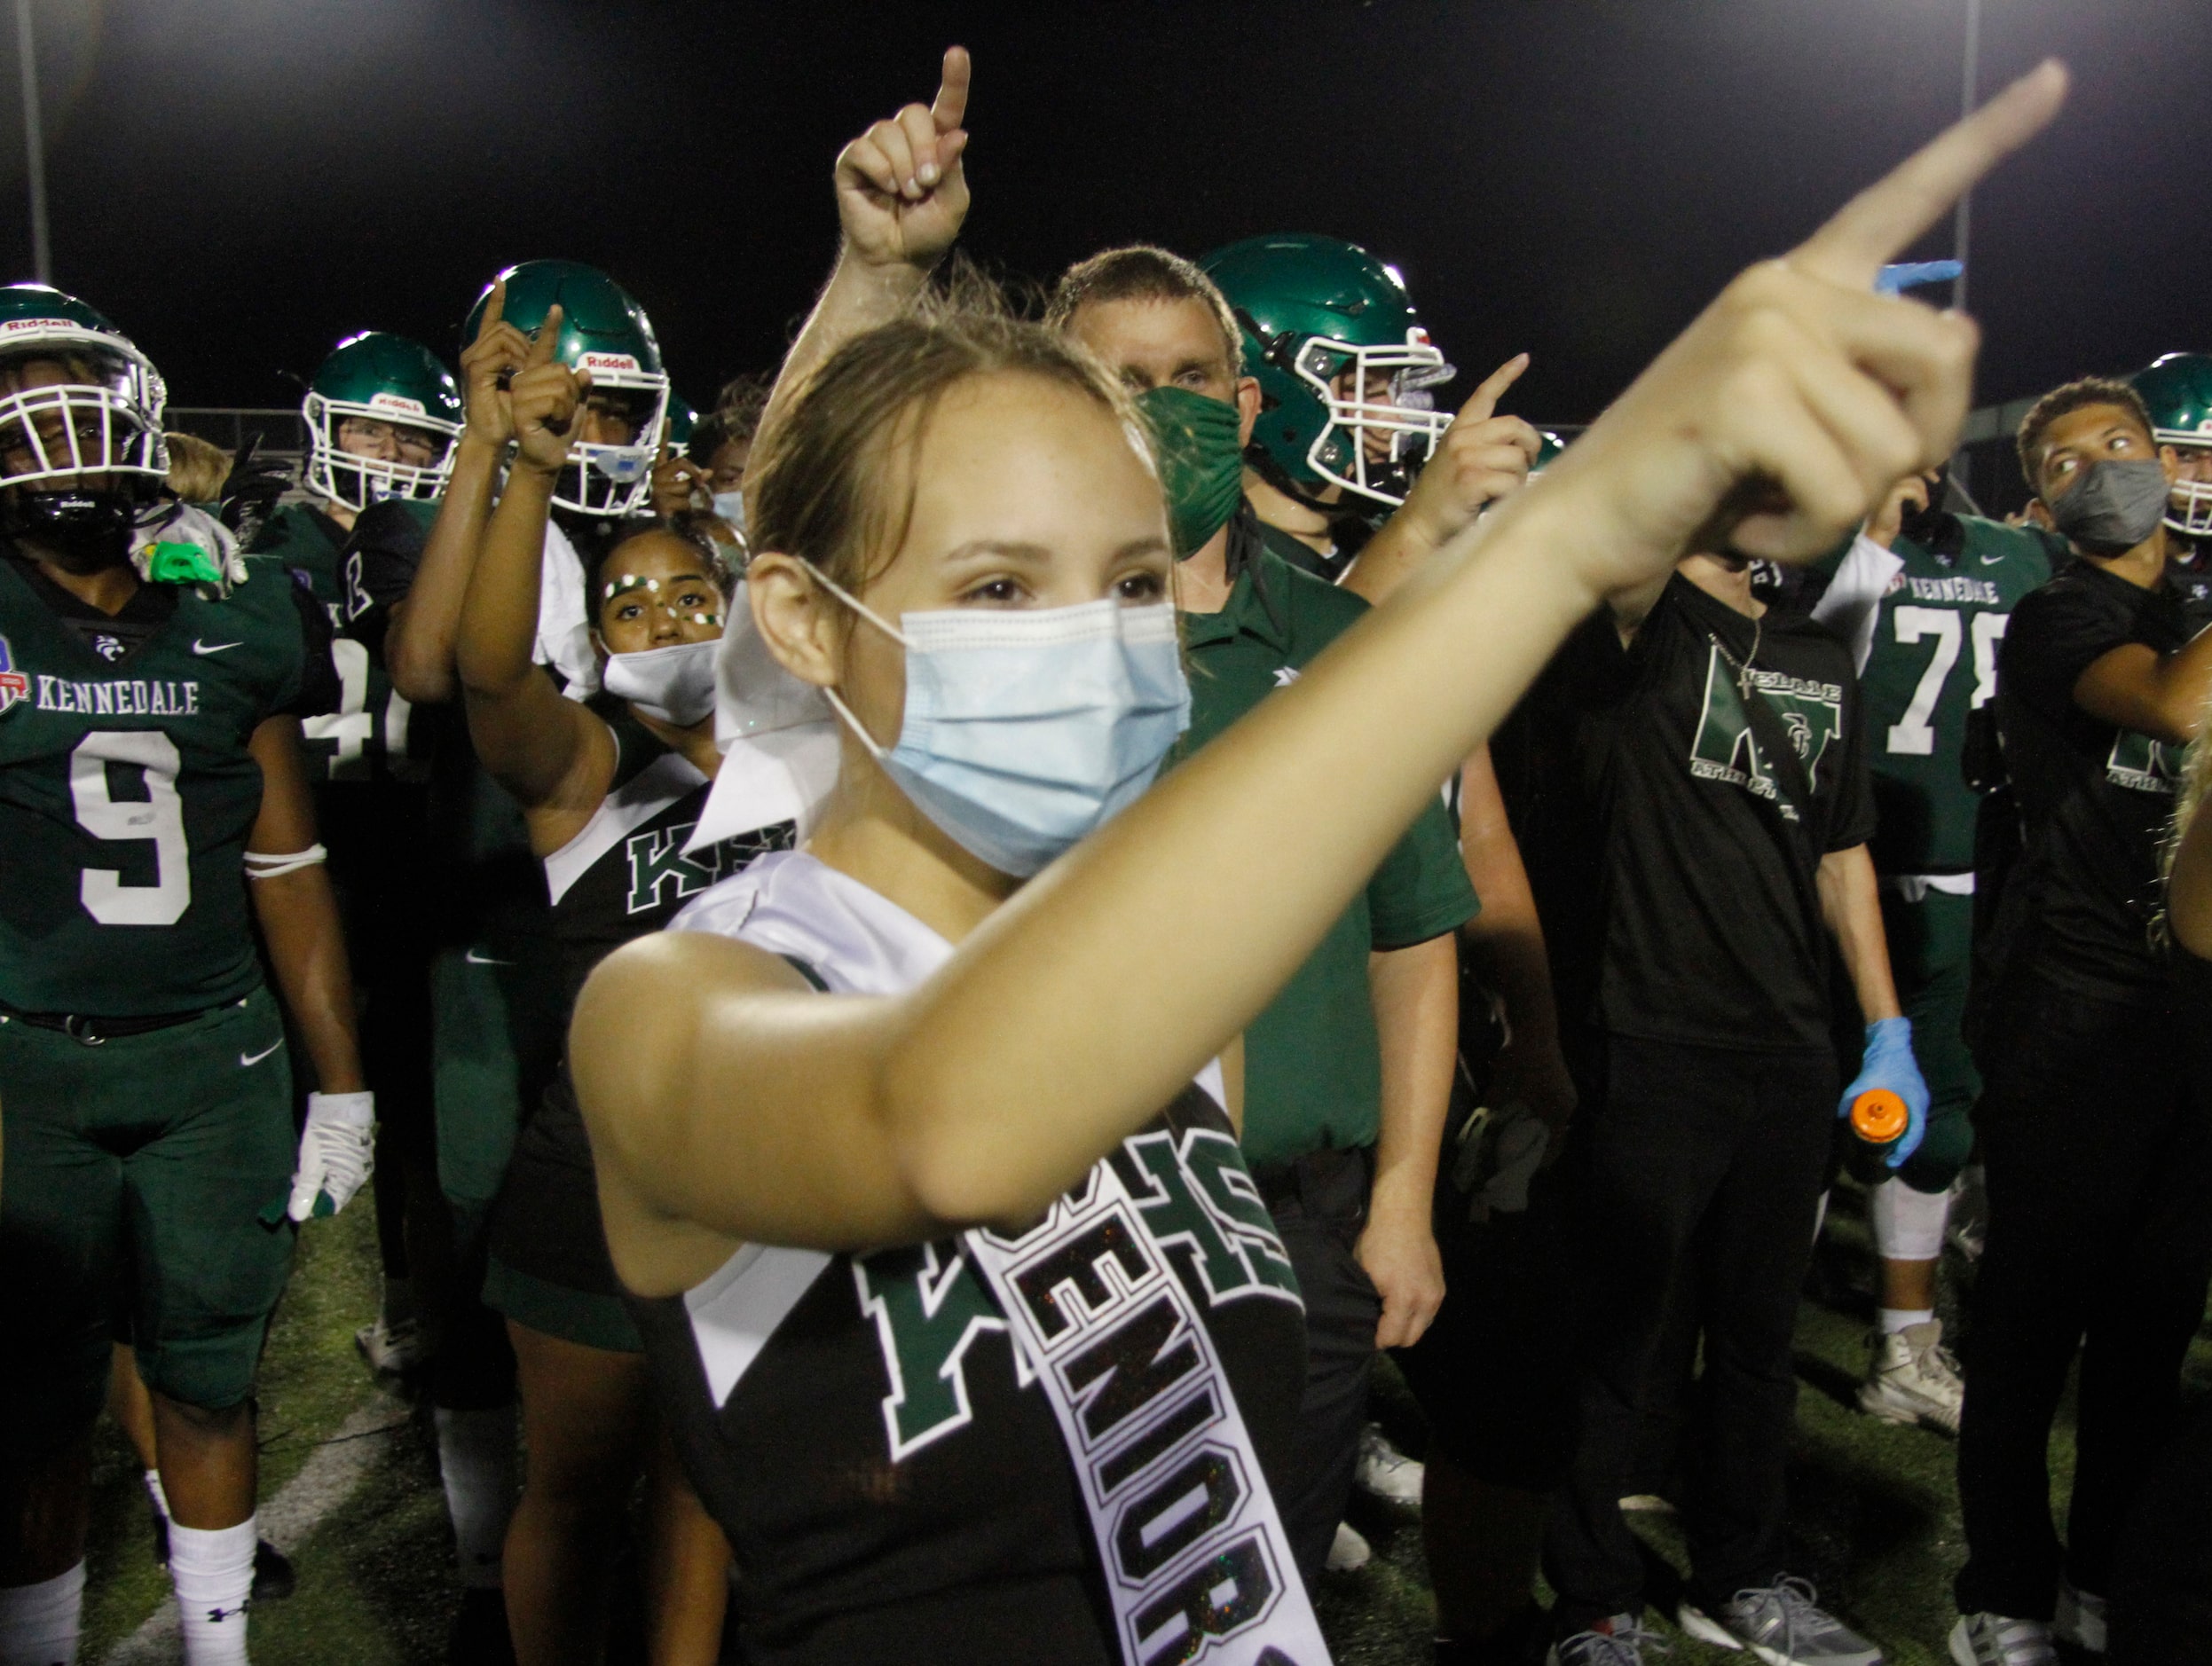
876, 750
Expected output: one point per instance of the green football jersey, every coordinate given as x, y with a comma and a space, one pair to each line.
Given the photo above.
1923, 627
372, 735
127, 794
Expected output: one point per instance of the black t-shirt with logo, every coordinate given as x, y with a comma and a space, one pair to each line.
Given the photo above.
2095, 799
1712, 843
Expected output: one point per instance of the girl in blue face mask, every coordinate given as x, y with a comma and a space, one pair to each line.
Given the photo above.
611, 792
968, 1323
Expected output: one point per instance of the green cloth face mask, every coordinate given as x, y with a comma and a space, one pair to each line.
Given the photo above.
1201, 464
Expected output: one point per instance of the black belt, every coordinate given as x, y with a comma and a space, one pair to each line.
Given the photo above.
91, 1030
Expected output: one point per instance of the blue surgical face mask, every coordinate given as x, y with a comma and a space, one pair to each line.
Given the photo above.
731, 507
1026, 730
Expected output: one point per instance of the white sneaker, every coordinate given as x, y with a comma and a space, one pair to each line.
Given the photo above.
2081, 1620
1387, 1472
392, 1350
1992, 1639
1913, 1378
1349, 1551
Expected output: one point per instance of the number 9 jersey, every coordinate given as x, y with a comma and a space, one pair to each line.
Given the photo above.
127, 792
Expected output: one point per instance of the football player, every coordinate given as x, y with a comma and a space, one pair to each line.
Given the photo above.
2178, 390
382, 413
1924, 597
1348, 426
154, 805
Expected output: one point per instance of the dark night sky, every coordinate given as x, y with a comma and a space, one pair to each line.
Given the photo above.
239, 183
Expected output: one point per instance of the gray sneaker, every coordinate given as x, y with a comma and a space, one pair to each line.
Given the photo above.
1997, 1640
1781, 1624
1620, 1641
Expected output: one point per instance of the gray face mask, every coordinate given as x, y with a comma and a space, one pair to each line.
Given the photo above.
2113, 507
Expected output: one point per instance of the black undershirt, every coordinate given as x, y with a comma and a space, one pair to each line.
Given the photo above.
113, 636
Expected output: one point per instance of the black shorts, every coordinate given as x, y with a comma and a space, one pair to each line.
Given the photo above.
548, 1267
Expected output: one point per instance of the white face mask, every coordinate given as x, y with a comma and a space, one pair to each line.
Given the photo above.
731, 506
1025, 730
674, 684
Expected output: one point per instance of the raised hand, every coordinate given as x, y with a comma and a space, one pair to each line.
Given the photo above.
679, 483
545, 400
901, 190
498, 352
1482, 457
1799, 398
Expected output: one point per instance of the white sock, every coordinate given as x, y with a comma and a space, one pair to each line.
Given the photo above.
213, 1570
1896, 1319
1907, 1224
154, 1491
475, 1455
38, 1624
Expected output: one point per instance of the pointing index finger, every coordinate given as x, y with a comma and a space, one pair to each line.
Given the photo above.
1877, 225
547, 338
494, 309
951, 106
1484, 401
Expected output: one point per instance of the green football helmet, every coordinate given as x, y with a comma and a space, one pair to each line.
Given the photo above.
1342, 362
101, 415
605, 332
2178, 390
401, 400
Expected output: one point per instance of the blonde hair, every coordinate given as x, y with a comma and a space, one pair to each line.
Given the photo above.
197, 468
818, 487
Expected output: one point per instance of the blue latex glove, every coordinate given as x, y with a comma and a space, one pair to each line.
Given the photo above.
1911, 274
1888, 1062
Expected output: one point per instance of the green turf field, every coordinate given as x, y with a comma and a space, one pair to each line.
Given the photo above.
349, 1486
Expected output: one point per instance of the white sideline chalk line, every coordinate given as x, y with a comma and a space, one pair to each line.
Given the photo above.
325, 1481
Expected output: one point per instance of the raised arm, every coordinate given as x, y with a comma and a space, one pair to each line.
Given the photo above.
419, 644
1772, 425
2159, 695
902, 193
550, 752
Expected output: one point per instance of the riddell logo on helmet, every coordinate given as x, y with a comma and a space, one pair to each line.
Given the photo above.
18, 327
395, 402
606, 361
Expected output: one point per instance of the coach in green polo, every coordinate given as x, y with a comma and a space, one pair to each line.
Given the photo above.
1348, 1074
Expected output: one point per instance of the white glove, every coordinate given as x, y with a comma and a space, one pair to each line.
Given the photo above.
337, 1153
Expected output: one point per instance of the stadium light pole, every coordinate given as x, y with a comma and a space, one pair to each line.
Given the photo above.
34, 146
1962, 220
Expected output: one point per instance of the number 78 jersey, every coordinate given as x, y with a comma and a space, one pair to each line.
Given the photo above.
127, 793
1924, 628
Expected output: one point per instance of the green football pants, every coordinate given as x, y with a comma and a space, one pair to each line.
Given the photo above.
141, 1177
